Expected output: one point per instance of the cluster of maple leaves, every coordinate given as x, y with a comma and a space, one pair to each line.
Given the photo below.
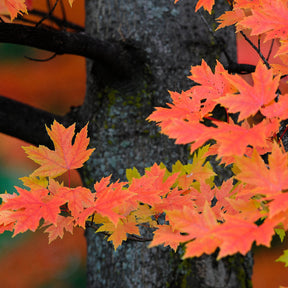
249, 207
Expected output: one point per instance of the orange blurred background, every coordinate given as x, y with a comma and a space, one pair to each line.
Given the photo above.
27, 260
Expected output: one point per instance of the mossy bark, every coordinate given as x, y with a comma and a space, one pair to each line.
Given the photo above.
163, 41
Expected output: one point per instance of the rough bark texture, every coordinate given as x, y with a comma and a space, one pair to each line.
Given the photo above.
163, 40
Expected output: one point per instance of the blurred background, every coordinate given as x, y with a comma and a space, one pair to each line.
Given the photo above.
28, 260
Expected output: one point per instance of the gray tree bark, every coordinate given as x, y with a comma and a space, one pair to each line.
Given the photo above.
162, 41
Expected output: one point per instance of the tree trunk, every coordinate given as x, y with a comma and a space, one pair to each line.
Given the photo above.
160, 41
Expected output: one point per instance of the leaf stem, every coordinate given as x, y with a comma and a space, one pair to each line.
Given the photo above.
69, 179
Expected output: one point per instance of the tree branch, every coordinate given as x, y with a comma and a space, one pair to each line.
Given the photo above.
58, 21
26, 122
61, 42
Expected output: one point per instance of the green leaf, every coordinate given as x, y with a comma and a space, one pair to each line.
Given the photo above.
283, 258
132, 173
281, 233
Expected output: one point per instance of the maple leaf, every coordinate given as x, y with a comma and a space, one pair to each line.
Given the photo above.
212, 85
251, 98
206, 4
234, 139
144, 214
283, 258
67, 156
206, 244
283, 49
266, 180
119, 231
238, 235
78, 198
205, 194
185, 105
13, 7
6, 218
109, 200
230, 18
57, 230
150, 187
186, 132
30, 207
222, 194
199, 227
167, 236
279, 204
269, 18
132, 173
277, 109
189, 221
200, 168
35, 182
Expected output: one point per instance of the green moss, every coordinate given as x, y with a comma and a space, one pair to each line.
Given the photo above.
237, 264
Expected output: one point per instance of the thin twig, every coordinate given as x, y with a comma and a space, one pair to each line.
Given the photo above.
41, 60
256, 49
59, 22
51, 10
215, 38
63, 11
270, 50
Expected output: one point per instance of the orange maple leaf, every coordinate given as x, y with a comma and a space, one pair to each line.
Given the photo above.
151, 187
57, 229
213, 85
108, 201
199, 227
167, 236
270, 18
67, 156
206, 4
277, 109
13, 7
230, 18
118, 233
30, 207
251, 98
234, 139
267, 180
174, 200
78, 198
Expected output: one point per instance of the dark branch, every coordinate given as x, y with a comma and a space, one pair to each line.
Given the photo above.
237, 68
26, 122
62, 42
56, 20
257, 49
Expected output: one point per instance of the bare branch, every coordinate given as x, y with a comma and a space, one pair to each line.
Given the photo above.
62, 42
257, 49
26, 122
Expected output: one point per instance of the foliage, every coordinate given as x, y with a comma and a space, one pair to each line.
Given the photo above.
183, 205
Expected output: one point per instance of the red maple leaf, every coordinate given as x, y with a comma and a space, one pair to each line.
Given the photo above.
270, 18
109, 200
67, 156
30, 207
266, 180
251, 99
167, 236
78, 198
57, 230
